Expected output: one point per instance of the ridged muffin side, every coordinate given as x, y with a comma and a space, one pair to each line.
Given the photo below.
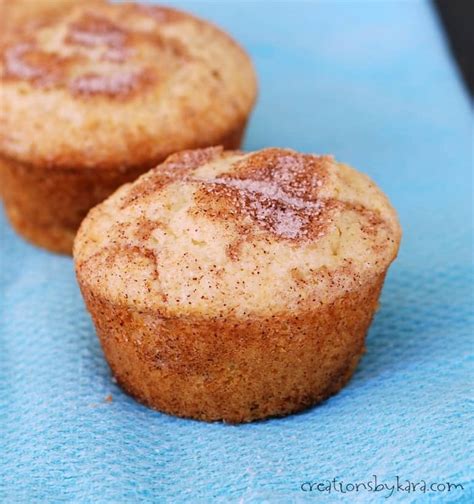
232, 369
108, 91
232, 286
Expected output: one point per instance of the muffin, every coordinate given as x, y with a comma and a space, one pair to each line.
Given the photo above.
236, 286
101, 94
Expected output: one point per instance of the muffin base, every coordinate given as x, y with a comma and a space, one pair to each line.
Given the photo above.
230, 369
46, 205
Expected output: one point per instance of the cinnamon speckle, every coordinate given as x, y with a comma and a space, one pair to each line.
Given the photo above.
100, 55
91, 30
113, 85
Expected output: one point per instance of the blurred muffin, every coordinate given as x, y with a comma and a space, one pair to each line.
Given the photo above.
236, 286
97, 96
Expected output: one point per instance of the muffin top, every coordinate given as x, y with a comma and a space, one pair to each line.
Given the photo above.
218, 233
119, 85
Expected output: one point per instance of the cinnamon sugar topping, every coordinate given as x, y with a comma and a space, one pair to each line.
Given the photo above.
274, 191
93, 30
268, 205
16, 65
105, 56
26, 62
277, 190
176, 167
113, 85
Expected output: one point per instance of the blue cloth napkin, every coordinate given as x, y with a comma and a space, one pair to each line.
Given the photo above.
373, 83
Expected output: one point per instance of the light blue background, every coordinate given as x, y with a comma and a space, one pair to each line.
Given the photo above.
373, 83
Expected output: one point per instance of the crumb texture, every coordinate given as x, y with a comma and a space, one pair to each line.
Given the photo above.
225, 233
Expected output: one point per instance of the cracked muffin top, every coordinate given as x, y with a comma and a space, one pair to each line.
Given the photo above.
120, 85
217, 233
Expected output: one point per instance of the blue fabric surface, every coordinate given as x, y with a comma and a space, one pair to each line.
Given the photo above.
373, 83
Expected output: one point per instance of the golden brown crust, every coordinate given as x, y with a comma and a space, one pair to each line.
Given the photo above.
120, 85
232, 369
234, 286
